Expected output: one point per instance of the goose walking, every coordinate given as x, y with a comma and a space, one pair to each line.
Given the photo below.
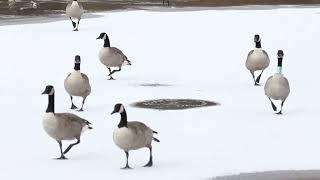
77, 84
277, 86
257, 60
132, 135
74, 10
62, 126
111, 56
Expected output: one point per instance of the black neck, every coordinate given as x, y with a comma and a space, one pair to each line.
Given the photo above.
279, 62
123, 121
77, 66
258, 44
106, 43
50, 107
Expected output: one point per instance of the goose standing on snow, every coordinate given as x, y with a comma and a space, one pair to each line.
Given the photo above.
277, 86
111, 56
132, 135
77, 84
74, 10
257, 60
62, 126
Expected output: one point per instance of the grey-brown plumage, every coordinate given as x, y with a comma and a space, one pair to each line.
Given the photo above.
132, 135
74, 10
77, 84
111, 56
277, 86
62, 126
257, 60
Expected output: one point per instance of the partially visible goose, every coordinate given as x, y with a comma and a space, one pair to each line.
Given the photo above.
257, 60
62, 126
74, 10
77, 84
111, 56
132, 135
277, 86
166, 1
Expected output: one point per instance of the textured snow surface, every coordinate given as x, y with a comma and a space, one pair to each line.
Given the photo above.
199, 55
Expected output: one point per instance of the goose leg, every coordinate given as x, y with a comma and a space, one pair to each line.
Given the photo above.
70, 146
273, 106
77, 25
62, 155
127, 165
115, 71
150, 163
83, 100
73, 23
72, 105
111, 78
280, 112
254, 79
258, 78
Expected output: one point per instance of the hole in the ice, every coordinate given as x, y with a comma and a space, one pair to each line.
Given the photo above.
154, 85
174, 104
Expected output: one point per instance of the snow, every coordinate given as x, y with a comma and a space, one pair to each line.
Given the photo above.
201, 54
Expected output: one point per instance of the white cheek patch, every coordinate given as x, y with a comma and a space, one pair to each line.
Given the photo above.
121, 109
105, 36
52, 91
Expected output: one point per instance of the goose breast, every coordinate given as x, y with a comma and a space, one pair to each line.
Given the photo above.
257, 60
277, 87
77, 84
74, 10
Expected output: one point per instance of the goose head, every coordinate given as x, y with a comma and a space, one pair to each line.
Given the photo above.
103, 35
257, 38
280, 54
118, 108
77, 61
48, 90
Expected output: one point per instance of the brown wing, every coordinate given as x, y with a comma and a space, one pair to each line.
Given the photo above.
138, 127
72, 118
119, 52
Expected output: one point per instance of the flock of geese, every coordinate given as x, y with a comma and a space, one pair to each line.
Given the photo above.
134, 135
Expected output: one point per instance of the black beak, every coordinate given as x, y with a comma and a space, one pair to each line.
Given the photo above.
45, 92
99, 37
114, 111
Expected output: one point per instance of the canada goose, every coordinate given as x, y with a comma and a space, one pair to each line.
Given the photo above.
111, 56
62, 126
74, 10
257, 60
77, 84
277, 86
132, 135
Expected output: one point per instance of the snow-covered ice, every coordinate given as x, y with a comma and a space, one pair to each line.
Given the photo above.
201, 54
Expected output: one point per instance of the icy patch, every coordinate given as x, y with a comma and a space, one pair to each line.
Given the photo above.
174, 104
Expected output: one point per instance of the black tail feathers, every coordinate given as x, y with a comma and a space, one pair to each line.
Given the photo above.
155, 139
